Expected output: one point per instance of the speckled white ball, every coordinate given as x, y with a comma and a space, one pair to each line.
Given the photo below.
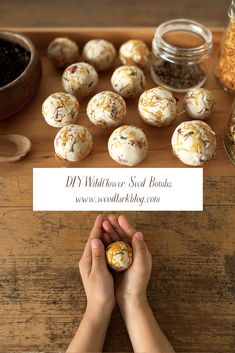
80, 79
100, 53
194, 142
128, 81
198, 103
119, 256
73, 143
157, 106
134, 52
62, 52
60, 109
128, 145
106, 109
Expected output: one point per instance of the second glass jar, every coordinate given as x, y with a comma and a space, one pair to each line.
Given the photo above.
179, 49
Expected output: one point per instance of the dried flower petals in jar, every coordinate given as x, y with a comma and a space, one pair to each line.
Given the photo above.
225, 71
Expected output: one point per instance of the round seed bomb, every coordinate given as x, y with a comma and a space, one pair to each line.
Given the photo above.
128, 81
73, 143
100, 53
60, 109
62, 52
134, 52
80, 79
157, 106
128, 145
119, 256
106, 109
194, 142
198, 103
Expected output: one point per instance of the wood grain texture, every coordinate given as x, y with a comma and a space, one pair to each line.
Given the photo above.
110, 13
16, 191
191, 291
30, 122
42, 300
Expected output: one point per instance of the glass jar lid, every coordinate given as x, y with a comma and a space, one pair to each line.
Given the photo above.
175, 53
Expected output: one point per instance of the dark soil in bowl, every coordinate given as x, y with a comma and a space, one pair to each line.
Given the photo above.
13, 61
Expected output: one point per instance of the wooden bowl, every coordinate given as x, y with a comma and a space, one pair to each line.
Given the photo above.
18, 93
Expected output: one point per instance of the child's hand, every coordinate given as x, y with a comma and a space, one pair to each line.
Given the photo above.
130, 291
96, 278
132, 283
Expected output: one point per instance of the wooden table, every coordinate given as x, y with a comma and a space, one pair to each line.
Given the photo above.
192, 288
120, 13
31, 123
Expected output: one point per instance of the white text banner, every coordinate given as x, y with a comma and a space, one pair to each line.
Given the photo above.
120, 189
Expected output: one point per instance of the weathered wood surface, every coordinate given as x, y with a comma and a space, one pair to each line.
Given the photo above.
30, 122
191, 290
110, 13
17, 191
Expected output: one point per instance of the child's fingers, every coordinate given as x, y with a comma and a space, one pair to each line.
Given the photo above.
98, 256
107, 239
108, 228
97, 230
114, 221
86, 260
126, 227
140, 250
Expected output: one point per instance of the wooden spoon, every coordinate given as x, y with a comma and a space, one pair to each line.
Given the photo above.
13, 147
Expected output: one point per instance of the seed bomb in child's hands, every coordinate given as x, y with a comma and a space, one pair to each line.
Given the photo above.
119, 256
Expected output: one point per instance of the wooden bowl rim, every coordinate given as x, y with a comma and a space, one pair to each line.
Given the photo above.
10, 36
19, 141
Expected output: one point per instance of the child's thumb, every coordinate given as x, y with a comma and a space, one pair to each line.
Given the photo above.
98, 255
139, 248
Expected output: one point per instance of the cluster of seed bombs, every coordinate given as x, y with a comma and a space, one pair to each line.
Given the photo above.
193, 142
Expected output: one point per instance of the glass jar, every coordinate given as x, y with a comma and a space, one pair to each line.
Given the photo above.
179, 50
225, 70
229, 136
